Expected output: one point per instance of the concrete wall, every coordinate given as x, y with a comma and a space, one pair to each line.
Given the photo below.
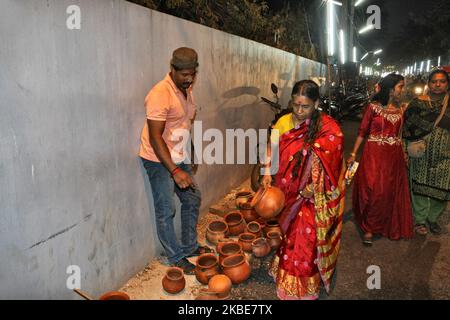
72, 189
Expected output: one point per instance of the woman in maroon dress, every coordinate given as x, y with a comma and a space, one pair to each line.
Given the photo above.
381, 198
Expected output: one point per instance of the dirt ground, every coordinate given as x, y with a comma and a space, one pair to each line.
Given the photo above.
414, 269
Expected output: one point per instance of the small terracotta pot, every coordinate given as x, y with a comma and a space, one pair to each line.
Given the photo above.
255, 228
174, 282
216, 230
115, 295
274, 238
272, 225
237, 268
260, 247
248, 212
221, 242
229, 249
242, 197
246, 239
221, 285
207, 267
235, 222
268, 202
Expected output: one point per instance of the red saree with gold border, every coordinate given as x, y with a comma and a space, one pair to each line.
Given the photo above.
312, 226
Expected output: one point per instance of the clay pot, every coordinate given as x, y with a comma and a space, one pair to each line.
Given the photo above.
207, 267
262, 223
115, 295
207, 295
221, 242
221, 285
216, 230
260, 247
248, 212
235, 222
228, 249
237, 268
174, 282
268, 202
246, 239
242, 197
272, 225
255, 228
274, 238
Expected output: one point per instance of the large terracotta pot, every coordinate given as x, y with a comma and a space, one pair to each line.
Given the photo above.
260, 247
207, 267
268, 202
272, 225
215, 231
235, 222
248, 212
174, 282
221, 285
246, 239
255, 228
242, 197
237, 268
274, 238
228, 249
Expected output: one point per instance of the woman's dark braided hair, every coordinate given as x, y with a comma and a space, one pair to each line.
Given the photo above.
309, 89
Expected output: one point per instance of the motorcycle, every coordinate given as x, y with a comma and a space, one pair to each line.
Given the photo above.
279, 111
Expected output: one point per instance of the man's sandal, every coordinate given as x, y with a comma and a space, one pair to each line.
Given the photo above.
421, 229
201, 250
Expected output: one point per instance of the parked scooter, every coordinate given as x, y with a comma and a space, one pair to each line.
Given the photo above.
279, 111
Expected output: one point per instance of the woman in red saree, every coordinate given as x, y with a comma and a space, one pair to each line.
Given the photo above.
381, 198
310, 174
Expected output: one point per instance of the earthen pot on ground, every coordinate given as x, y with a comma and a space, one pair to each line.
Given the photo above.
221, 242
274, 238
221, 285
255, 228
216, 230
235, 222
228, 249
174, 282
237, 268
248, 212
115, 295
207, 266
246, 239
207, 295
268, 202
242, 197
260, 247
272, 225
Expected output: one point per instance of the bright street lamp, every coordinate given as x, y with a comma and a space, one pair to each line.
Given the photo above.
367, 28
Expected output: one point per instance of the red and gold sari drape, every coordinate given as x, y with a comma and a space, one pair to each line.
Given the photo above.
308, 254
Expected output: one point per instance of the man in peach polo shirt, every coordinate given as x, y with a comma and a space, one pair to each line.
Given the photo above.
169, 109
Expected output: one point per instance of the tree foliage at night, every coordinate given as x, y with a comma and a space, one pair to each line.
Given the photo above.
286, 29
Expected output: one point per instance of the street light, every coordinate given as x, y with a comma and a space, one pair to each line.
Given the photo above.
421, 67
428, 65
378, 51
358, 2
355, 59
439, 61
364, 56
330, 13
367, 28
341, 35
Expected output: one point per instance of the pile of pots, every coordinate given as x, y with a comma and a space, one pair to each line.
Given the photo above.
240, 234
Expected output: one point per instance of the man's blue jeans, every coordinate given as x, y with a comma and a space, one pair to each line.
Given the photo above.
163, 189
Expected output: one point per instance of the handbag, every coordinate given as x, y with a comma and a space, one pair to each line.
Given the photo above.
417, 149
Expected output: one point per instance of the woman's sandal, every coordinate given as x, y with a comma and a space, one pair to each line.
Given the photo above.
421, 229
367, 240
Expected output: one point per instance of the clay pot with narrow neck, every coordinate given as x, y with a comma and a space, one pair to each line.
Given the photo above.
274, 238
207, 267
248, 212
235, 222
246, 239
228, 249
260, 247
174, 282
268, 202
272, 225
237, 268
255, 228
216, 230
242, 197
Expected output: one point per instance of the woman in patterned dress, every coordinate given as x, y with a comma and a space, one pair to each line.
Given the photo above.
381, 199
430, 174
310, 174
